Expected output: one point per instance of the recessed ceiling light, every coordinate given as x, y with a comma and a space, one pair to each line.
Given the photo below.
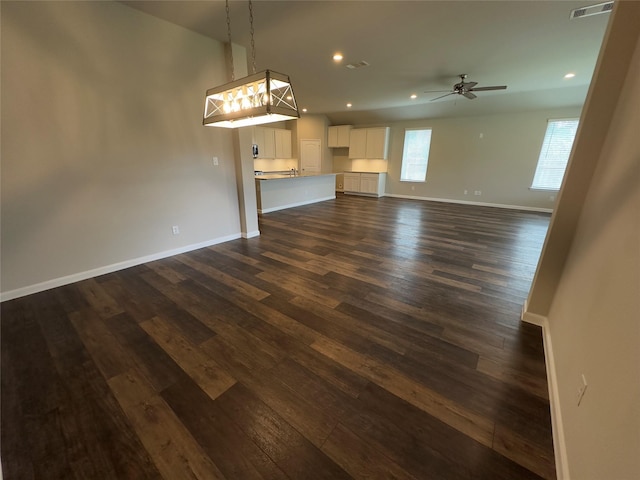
304, 110
414, 96
337, 57
570, 75
349, 105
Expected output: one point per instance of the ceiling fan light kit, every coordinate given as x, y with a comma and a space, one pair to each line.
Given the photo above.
256, 99
466, 89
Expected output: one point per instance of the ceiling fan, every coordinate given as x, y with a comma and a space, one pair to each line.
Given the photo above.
465, 89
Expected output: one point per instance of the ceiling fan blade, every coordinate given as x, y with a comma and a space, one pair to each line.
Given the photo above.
437, 91
484, 89
469, 95
442, 96
469, 85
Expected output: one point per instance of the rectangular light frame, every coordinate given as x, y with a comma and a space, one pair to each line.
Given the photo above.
263, 97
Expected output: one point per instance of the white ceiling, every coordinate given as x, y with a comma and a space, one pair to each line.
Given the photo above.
411, 46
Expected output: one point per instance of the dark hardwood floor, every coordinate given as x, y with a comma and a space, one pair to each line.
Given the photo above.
355, 338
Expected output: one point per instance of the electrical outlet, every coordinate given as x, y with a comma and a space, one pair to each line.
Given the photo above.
477, 192
582, 388
340, 186
176, 230
466, 191
215, 161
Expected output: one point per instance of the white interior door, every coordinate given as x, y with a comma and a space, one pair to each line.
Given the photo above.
310, 156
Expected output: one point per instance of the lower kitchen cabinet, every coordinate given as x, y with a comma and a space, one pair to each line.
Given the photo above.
364, 183
351, 182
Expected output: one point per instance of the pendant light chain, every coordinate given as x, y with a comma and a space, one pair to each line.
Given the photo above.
233, 76
258, 98
253, 44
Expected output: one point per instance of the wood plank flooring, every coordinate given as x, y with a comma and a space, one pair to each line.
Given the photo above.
355, 338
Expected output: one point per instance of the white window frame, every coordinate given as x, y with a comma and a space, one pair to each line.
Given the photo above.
554, 157
407, 163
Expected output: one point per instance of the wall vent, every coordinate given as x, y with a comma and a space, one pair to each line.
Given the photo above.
359, 64
591, 10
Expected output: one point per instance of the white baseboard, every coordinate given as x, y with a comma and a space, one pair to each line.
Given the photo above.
297, 204
465, 202
255, 233
77, 277
559, 445
362, 194
532, 318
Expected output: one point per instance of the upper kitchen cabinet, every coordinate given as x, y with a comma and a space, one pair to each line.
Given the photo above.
272, 142
369, 143
283, 143
339, 136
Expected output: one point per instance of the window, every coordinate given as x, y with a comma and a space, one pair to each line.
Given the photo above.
554, 154
415, 155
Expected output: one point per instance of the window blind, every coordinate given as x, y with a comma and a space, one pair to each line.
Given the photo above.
554, 154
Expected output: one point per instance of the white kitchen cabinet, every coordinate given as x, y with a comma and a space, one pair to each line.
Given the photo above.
339, 136
358, 143
265, 139
282, 143
377, 142
369, 143
364, 183
351, 182
272, 142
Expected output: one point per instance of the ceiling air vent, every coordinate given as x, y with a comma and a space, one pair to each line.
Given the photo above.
591, 10
359, 64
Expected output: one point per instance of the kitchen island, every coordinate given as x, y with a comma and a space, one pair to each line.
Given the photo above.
279, 191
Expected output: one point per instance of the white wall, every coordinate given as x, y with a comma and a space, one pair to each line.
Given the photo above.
493, 154
593, 324
586, 289
103, 148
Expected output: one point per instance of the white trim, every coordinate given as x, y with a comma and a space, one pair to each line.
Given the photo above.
559, 443
532, 318
365, 194
77, 277
254, 233
297, 204
465, 202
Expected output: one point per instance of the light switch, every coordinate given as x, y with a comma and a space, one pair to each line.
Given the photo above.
215, 161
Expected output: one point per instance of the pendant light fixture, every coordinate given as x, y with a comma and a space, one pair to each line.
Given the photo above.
259, 98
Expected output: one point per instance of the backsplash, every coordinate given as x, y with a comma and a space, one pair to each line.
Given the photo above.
272, 165
364, 165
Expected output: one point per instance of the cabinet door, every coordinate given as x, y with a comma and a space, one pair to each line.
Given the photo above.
338, 136
269, 143
332, 137
351, 182
358, 143
344, 134
369, 183
282, 143
377, 141
265, 139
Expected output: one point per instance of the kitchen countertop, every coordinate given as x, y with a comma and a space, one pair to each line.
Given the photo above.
361, 171
278, 176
